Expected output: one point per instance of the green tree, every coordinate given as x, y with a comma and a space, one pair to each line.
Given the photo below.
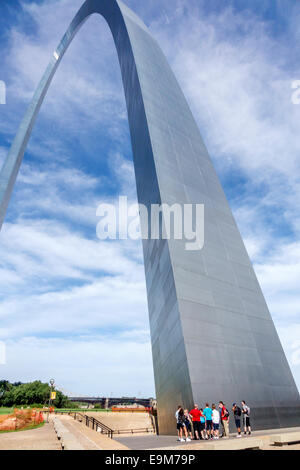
30, 393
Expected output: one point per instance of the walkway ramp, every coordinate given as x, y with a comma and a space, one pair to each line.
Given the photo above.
125, 422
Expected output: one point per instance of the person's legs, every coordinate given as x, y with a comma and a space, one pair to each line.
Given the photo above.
188, 432
248, 425
226, 428
202, 431
216, 430
211, 429
221, 429
196, 429
245, 425
238, 426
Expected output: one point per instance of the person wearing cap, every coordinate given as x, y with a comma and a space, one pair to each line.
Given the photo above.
237, 412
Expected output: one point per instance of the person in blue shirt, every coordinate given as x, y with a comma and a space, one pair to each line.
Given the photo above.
208, 417
202, 424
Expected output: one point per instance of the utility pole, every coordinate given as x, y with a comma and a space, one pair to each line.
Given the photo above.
51, 381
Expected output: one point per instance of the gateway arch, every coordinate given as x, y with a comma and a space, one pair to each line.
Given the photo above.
212, 334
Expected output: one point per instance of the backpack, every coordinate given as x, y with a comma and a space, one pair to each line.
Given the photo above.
226, 413
248, 410
238, 411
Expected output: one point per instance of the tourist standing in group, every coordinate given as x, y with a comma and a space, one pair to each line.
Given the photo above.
221, 426
224, 419
195, 414
202, 424
179, 415
215, 416
188, 424
246, 416
208, 421
237, 413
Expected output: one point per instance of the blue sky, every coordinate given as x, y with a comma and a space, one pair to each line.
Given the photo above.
74, 307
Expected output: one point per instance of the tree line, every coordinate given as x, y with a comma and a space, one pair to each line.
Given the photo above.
31, 393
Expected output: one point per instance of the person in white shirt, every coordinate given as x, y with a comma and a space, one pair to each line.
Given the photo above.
246, 415
215, 421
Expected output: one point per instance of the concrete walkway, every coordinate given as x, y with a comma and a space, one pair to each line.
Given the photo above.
170, 443
89, 438
43, 438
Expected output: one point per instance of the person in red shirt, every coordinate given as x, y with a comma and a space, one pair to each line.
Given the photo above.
224, 418
195, 413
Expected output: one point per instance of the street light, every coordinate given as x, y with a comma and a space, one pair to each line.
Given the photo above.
51, 382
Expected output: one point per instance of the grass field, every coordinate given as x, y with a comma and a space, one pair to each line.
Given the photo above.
31, 426
5, 411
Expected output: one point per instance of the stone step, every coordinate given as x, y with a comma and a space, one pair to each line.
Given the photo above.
237, 444
285, 438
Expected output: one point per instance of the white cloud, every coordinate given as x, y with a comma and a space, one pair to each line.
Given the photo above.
88, 81
232, 71
91, 365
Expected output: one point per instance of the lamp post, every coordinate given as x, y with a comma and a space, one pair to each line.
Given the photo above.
51, 381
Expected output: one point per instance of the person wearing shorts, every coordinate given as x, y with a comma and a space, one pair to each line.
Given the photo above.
208, 418
237, 412
188, 424
179, 415
215, 421
195, 414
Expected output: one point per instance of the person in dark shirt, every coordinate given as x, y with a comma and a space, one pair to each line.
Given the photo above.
237, 413
188, 423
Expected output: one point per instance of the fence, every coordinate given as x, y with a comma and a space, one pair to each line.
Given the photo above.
20, 419
93, 422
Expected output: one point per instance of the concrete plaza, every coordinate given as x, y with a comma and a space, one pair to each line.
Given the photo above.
85, 438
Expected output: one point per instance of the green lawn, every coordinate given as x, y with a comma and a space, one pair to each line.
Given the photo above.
5, 411
31, 426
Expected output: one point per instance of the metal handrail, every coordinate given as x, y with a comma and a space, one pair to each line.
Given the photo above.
96, 424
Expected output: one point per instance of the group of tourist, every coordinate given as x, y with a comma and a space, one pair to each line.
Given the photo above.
211, 422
